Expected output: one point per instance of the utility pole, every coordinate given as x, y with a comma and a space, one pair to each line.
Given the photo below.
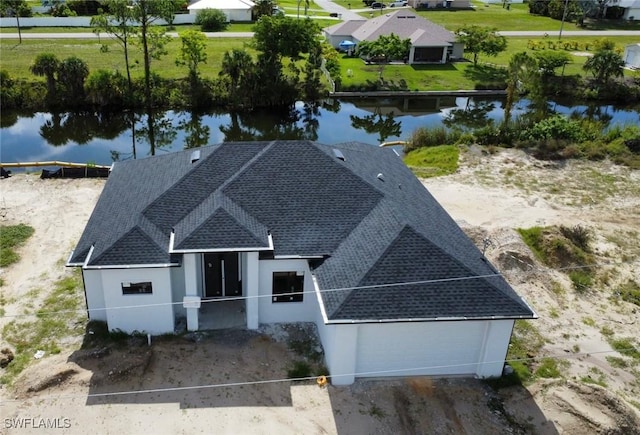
564, 16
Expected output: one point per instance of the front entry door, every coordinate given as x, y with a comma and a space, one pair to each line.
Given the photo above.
221, 275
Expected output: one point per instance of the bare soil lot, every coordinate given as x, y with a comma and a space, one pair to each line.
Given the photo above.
490, 196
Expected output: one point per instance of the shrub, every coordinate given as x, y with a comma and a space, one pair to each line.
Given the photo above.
579, 235
582, 280
429, 137
212, 20
532, 237
548, 368
630, 292
555, 127
106, 88
626, 347
300, 369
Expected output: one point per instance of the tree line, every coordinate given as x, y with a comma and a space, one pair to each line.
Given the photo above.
285, 70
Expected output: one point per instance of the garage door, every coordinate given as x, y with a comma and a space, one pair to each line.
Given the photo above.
428, 348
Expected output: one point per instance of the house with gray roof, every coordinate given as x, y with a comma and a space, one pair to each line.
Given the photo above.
430, 43
344, 236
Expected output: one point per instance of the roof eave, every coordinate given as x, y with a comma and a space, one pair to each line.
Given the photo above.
429, 319
173, 250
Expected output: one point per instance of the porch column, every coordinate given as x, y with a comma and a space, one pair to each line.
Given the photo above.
252, 288
444, 55
412, 54
191, 301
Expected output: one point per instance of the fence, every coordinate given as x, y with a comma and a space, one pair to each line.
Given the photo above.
77, 21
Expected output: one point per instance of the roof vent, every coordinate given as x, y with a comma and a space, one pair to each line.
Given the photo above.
380, 176
338, 154
195, 156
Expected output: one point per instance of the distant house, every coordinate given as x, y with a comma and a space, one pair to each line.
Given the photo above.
235, 10
631, 8
430, 43
439, 4
344, 236
632, 55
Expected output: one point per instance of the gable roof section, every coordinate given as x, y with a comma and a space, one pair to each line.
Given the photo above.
308, 201
405, 239
404, 24
131, 187
220, 231
411, 258
134, 247
345, 28
198, 184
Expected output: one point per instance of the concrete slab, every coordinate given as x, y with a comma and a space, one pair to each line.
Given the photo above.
221, 314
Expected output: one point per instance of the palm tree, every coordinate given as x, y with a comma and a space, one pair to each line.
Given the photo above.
523, 73
237, 64
46, 65
72, 73
604, 65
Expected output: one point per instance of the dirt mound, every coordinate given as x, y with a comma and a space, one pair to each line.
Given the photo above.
574, 408
51, 374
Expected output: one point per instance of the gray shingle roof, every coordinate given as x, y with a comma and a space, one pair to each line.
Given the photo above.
368, 216
403, 23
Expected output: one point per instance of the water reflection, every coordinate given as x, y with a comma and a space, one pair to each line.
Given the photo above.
82, 127
103, 137
475, 114
384, 125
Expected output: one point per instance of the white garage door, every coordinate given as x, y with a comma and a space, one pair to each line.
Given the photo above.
428, 348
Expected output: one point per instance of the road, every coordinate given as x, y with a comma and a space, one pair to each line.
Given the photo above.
89, 35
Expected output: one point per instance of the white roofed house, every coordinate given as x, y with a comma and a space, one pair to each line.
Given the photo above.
235, 10
631, 8
430, 43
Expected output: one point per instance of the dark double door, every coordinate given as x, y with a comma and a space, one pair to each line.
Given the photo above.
221, 275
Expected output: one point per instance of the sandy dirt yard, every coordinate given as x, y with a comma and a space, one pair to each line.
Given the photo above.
126, 386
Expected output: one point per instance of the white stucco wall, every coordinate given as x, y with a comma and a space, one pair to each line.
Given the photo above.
95, 298
277, 312
433, 348
156, 319
472, 348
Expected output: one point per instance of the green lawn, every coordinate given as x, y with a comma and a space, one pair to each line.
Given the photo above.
16, 58
494, 15
459, 75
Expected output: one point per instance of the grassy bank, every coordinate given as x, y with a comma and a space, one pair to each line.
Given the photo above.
11, 237
17, 59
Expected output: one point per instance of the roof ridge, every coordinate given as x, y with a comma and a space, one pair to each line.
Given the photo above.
248, 163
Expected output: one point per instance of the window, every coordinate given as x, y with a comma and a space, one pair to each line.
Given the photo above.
288, 286
136, 288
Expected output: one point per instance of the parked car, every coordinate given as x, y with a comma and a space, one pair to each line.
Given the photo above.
378, 5
398, 4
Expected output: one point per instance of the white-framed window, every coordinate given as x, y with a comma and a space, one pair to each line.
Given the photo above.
288, 286
137, 288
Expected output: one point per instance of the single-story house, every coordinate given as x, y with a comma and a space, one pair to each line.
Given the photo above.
631, 8
439, 4
632, 55
344, 236
430, 43
235, 10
